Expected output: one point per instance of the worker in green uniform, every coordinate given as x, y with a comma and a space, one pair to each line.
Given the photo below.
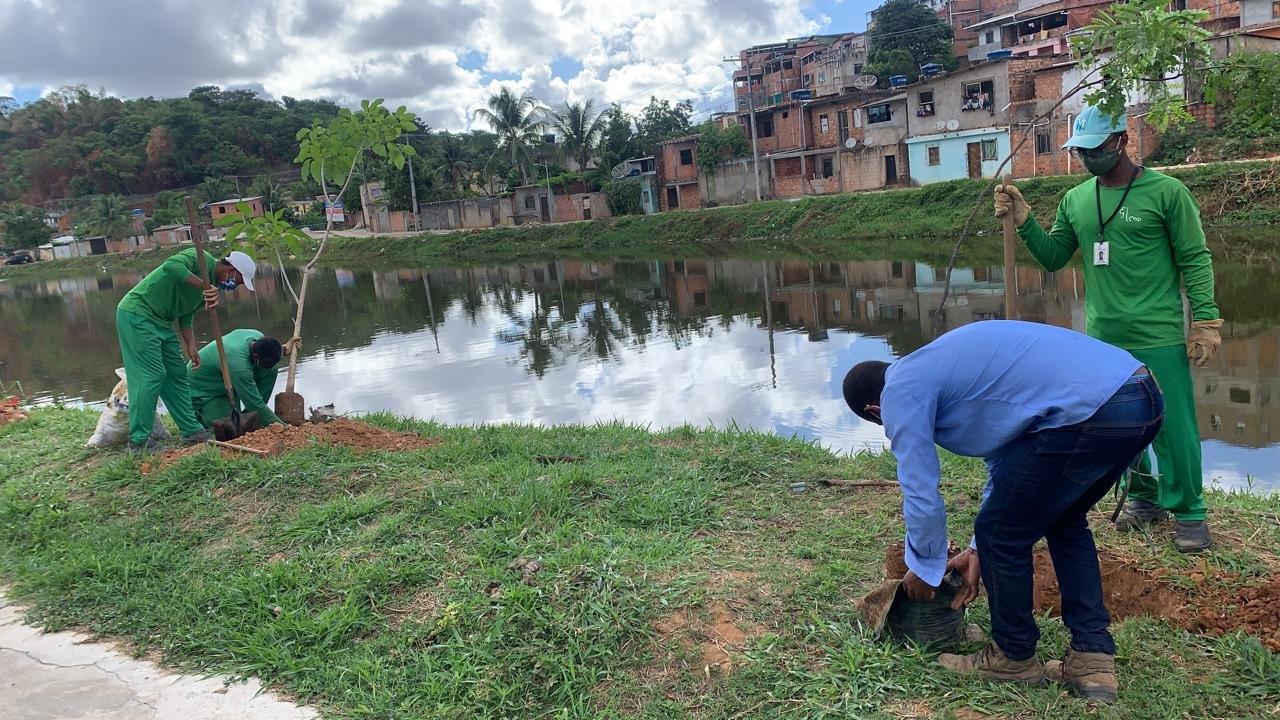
1140, 237
251, 361
153, 362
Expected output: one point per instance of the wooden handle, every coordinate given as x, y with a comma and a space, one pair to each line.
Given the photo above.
1010, 264
197, 237
240, 448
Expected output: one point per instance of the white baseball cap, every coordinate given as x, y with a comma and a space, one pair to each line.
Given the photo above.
245, 264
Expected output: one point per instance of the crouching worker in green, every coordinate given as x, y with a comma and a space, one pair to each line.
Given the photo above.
251, 360
1140, 236
153, 362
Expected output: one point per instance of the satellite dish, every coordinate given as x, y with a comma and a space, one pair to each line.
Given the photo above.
621, 170
938, 125
953, 124
865, 82
868, 142
850, 143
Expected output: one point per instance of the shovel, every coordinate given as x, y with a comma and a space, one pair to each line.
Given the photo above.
238, 424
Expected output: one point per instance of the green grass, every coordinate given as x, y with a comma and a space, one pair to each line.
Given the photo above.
916, 223
380, 585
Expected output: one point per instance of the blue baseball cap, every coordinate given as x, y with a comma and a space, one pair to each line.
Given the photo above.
1092, 128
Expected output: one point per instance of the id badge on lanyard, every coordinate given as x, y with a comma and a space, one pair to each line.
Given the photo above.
1102, 248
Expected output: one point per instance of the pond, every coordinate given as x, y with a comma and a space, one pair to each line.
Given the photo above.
759, 344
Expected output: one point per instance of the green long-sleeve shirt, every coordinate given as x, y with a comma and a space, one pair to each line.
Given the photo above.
253, 385
164, 294
1156, 246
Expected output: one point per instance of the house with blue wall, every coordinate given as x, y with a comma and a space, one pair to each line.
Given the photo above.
960, 123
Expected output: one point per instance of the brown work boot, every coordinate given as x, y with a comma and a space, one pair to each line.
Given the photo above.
1091, 676
991, 664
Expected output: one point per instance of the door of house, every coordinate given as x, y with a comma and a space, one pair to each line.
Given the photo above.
586, 208
98, 246
546, 211
890, 170
974, 152
673, 198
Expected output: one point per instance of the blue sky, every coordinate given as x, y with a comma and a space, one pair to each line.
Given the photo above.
441, 58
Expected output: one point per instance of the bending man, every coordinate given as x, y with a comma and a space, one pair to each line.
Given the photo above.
1140, 235
1058, 416
251, 361
153, 362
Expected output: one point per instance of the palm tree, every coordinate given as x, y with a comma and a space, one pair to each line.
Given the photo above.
451, 156
517, 122
273, 195
107, 215
582, 128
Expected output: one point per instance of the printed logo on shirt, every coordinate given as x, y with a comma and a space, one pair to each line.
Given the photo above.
1127, 216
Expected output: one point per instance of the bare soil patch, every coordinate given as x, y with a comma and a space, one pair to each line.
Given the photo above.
341, 432
714, 633
1211, 607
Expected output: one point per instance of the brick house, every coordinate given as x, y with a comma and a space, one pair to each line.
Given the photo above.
677, 173
223, 207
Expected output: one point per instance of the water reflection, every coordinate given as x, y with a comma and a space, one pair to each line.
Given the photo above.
763, 344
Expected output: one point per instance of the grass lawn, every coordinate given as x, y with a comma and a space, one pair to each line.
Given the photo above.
653, 575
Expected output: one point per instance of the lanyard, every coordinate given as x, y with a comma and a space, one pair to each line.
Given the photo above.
1097, 196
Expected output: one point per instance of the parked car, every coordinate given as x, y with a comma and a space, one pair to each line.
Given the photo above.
20, 258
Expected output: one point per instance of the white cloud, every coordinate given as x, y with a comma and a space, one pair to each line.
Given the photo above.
440, 58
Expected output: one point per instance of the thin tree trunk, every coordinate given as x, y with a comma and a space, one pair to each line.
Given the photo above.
306, 271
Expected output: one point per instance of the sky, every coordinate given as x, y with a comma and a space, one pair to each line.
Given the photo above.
440, 58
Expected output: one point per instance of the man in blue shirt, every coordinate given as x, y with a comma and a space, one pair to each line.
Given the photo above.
1058, 416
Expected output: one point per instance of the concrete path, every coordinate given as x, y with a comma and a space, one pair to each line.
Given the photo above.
65, 676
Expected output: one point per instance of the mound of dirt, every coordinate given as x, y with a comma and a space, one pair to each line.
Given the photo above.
1213, 607
343, 431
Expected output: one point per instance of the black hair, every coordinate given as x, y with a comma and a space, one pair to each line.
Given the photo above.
266, 351
863, 385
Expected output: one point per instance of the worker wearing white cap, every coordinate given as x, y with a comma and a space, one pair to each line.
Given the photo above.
153, 362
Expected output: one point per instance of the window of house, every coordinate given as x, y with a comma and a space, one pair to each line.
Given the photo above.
1178, 5
686, 156
823, 124
935, 154
878, 113
842, 123
786, 65
926, 104
222, 209
806, 80
528, 202
857, 68
991, 37
785, 114
1275, 9
1240, 396
990, 150
806, 59
978, 95
822, 77
764, 126
1043, 147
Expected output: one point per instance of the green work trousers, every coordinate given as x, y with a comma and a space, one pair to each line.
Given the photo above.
154, 368
211, 409
1179, 487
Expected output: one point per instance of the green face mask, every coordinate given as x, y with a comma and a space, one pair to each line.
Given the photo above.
1102, 163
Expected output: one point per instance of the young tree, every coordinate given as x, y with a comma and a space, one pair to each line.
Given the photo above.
581, 128
328, 154
517, 122
907, 34
715, 145
452, 160
22, 226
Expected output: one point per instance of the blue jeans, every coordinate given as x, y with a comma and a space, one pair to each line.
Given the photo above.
1042, 486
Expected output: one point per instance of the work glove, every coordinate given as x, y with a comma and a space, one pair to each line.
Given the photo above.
1203, 341
1009, 200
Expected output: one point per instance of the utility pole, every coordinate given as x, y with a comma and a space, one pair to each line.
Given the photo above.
551, 199
413, 191
751, 103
